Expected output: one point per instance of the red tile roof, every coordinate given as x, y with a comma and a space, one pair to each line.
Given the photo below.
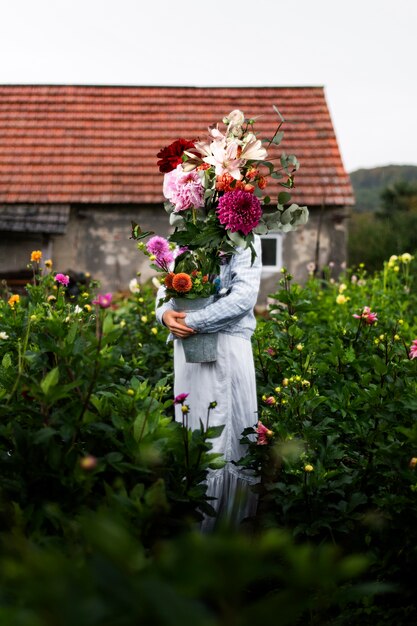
82, 144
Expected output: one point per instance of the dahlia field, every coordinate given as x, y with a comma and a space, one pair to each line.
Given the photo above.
101, 492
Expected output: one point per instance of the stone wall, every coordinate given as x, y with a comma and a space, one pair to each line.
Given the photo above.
97, 241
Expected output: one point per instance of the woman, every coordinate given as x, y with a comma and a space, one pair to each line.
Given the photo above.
229, 381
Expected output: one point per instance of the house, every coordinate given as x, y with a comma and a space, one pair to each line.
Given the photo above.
78, 164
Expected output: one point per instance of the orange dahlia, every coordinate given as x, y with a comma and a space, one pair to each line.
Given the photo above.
168, 280
182, 282
36, 256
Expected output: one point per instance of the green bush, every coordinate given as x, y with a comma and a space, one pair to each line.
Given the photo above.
339, 395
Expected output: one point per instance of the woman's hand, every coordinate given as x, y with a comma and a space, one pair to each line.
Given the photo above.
174, 321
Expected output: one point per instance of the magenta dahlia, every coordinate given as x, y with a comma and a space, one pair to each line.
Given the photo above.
239, 210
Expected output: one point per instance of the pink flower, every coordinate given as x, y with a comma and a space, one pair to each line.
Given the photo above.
413, 350
157, 246
184, 189
239, 210
63, 279
263, 434
103, 301
180, 398
367, 316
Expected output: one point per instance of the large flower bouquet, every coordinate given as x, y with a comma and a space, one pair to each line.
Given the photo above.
216, 201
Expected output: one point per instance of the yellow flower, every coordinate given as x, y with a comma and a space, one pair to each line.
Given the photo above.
308, 468
154, 331
277, 389
144, 319
396, 337
85, 294
382, 337
397, 268
341, 299
87, 307
36, 256
140, 300
48, 263
122, 323
285, 382
342, 287
392, 260
299, 346
406, 257
51, 298
13, 300
185, 408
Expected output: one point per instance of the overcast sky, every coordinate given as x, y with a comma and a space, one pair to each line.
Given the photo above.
364, 52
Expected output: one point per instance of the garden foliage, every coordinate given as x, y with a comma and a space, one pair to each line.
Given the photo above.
101, 491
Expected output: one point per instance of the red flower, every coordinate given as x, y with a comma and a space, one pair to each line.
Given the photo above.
171, 156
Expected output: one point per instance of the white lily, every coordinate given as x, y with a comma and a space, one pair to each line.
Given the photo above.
224, 158
253, 149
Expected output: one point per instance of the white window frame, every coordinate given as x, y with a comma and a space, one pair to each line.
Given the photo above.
273, 269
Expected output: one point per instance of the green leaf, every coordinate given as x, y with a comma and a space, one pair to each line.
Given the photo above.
6, 361
284, 197
50, 380
43, 435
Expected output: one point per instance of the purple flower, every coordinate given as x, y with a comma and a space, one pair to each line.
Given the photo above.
184, 189
239, 210
157, 246
180, 398
63, 279
103, 301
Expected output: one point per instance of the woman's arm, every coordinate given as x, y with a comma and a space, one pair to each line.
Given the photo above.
239, 301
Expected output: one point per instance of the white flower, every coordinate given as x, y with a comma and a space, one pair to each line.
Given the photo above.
78, 309
134, 285
224, 158
253, 150
235, 118
155, 282
3, 335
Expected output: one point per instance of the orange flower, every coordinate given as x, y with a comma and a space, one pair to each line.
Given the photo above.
252, 173
250, 188
168, 280
36, 256
262, 182
205, 279
182, 282
13, 300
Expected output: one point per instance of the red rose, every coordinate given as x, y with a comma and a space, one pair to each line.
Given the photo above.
171, 156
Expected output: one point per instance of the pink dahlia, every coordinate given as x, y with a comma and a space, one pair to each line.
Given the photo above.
180, 398
367, 316
103, 300
157, 246
239, 210
62, 279
184, 189
263, 434
413, 350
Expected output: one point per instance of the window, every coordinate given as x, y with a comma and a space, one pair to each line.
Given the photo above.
271, 252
